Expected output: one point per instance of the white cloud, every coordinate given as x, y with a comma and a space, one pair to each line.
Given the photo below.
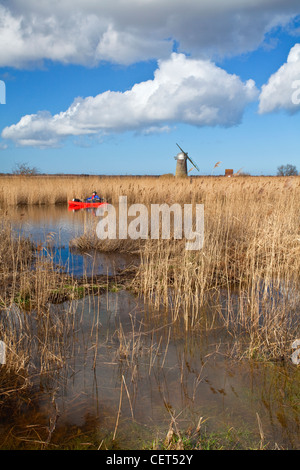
90, 31
185, 90
282, 92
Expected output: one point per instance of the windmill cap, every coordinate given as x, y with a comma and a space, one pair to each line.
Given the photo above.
180, 156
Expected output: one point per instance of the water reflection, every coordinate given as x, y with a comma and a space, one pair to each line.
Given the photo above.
52, 228
123, 375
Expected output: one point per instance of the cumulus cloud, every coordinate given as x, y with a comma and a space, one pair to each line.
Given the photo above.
89, 31
282, 92
185, 90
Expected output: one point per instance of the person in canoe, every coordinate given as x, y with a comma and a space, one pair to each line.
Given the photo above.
94, 198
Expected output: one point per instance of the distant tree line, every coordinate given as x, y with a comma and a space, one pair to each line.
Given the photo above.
25, 169
287, 170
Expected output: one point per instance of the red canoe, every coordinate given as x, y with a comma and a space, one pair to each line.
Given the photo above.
84, 205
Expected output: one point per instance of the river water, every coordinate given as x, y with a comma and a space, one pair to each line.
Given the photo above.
128, 371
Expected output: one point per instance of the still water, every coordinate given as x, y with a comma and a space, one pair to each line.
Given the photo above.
127, 371
55, 226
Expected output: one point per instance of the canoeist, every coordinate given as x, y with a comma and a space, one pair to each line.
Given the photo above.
94, 197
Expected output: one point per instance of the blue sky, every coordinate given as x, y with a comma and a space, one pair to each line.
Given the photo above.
217, 78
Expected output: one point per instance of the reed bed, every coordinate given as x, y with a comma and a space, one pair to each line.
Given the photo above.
47, 190
250, 261
249, 266
28, 278
36, 190
246, 278
28, 274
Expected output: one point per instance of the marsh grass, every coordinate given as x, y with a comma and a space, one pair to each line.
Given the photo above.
200, 438
251, 255
30, 282
250, 258
28, 274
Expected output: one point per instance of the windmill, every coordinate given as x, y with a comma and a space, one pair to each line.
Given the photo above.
181, 166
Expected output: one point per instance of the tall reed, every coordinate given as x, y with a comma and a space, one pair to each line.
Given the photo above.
250, 257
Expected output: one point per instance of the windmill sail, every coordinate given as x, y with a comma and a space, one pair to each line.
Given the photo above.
194, 164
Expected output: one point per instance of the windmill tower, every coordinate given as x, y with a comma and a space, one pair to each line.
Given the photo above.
181, 166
